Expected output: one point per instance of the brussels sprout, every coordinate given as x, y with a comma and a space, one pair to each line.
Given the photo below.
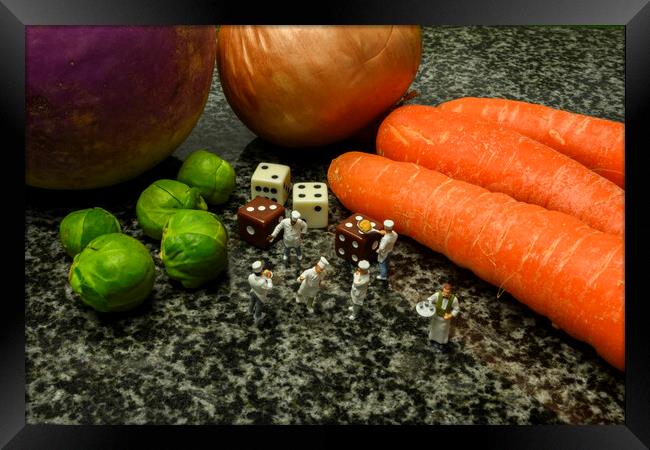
78, 228
211, 175
194, 247
162, 199
115, 272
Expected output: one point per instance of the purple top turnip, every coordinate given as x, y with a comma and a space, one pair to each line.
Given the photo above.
105, 104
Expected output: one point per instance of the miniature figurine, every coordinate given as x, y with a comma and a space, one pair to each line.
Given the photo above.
385, 248
441, 307
359, 290
260, 283
310, 283
293, 230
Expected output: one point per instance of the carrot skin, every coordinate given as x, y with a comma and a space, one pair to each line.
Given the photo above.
502, 160
598, 144
550, 261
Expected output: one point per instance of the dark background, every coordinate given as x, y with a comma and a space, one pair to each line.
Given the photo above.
576, 12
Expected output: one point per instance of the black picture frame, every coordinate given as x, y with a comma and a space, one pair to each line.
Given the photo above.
634, 14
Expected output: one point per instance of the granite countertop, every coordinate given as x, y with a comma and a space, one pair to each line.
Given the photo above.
194, 356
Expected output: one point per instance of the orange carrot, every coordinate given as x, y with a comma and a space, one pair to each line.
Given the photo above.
501, 160
548, 260
596, 143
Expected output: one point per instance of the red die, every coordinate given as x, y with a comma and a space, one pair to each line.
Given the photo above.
257, 219
353, 244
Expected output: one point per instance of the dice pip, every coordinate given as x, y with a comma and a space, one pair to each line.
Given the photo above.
272, 181
354, 245
257, 219
310, 199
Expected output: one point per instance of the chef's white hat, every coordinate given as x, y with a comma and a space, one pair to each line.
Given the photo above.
257, 266
388, 224
295, 215
363, 264
322, 263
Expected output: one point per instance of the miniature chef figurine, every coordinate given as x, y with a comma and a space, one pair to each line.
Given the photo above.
359, 288
310, 282
441, 307
260, 283
385, 248
293, 230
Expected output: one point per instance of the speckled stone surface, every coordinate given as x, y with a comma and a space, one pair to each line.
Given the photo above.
194, 357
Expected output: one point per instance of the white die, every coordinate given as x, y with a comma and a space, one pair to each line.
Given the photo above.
310, 199
272, 181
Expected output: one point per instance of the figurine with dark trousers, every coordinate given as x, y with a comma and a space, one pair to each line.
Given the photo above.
293, 229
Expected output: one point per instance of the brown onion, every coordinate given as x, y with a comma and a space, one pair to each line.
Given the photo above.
300, 86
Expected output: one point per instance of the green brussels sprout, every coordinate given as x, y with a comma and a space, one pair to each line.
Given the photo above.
78, 228
194, 247
162, 199
115, 272
211, 175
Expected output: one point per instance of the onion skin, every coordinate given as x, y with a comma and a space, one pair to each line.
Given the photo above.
105, 104
307, 86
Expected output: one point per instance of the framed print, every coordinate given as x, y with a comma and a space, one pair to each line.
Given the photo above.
366, 216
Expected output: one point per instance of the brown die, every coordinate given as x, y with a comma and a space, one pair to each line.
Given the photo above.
352, 244
257, 219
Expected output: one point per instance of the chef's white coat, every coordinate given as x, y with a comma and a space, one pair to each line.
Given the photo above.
311, 283
260, 286
359, 290
290, 232
386, 245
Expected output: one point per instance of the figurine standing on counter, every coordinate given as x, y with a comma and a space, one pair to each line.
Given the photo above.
293, 230
261, 284
359, 290
310, 283
441, 307
385, 248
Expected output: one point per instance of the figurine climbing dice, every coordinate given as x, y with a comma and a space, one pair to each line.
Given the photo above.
257, 219
354, 245
310, 200
272, 181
